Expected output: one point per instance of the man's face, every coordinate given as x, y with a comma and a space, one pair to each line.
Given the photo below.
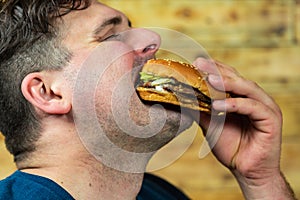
107, 54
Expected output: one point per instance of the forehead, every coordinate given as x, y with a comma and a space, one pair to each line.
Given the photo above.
78, 26
94, 10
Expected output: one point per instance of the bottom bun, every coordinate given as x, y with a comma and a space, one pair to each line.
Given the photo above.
150, 94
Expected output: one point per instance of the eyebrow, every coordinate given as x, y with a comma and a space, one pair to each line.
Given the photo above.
111, 21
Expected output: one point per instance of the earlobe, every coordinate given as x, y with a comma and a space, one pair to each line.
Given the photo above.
38, 90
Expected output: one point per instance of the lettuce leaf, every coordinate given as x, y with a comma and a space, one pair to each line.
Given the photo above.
154, 79
148, 77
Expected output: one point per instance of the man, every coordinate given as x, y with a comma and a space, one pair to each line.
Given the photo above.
47, 45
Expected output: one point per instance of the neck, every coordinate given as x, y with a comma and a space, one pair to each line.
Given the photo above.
91, 180
70, 165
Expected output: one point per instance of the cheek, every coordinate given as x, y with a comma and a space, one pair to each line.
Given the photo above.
98, 77
115, 78
117, 72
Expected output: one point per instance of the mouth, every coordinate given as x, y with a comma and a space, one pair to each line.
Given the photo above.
137, 67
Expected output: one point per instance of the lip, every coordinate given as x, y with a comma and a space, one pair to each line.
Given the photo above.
137, 69
136, 75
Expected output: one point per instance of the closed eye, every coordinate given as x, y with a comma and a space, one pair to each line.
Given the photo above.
112, 37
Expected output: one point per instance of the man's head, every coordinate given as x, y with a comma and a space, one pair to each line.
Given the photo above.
43, 65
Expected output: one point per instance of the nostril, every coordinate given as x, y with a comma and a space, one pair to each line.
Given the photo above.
150, 47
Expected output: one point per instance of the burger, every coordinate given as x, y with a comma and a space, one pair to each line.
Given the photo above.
177, 83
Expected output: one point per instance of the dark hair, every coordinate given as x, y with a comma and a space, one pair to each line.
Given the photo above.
29, 42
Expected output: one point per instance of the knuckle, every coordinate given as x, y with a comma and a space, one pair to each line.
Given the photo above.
252, 84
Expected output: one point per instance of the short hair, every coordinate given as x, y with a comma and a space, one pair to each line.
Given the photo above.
29, 43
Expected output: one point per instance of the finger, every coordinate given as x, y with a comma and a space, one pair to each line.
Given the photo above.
243, 87
211, 69
217, 68
257, 112
206, 65
240, 86
226, 69
215, 71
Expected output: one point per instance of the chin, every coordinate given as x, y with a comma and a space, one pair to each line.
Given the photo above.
143, 128
175, 121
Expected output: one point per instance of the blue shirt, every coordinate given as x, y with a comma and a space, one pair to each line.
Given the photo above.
24, 186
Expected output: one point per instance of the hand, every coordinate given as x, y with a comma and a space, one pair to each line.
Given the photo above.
250, 143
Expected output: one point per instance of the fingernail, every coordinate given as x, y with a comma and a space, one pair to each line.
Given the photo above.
200, 61
219, 105
216, 81
212, 78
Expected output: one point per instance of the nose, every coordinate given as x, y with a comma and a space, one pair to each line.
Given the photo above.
144, 42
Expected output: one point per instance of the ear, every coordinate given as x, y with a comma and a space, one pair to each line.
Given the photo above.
41, 91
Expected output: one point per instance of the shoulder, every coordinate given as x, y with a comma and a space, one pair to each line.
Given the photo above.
154, 187
21, 186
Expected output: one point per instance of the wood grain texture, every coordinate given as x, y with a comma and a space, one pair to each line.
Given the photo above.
231, 23
296, 22
258, 37
6, 161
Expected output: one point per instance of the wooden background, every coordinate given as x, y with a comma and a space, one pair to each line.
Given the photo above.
258, 37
